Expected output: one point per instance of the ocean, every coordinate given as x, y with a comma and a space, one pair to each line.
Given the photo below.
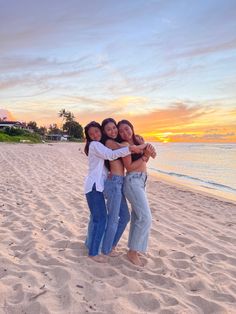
208, 167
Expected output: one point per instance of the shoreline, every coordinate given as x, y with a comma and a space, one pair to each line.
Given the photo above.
220, 195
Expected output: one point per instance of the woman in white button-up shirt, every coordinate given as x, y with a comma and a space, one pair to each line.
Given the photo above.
94, 183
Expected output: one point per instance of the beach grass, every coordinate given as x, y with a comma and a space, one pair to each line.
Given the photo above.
32, 138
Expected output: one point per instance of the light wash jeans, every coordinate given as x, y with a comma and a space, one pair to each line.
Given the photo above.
96, 203
141, 218
118, 212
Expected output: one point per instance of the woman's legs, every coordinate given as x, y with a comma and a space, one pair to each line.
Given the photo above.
118, 213
124, 218
98, 211
140, 225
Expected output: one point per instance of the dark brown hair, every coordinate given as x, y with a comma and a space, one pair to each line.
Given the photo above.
132, 128
92, 124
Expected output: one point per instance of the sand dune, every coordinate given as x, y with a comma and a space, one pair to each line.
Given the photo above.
190, 266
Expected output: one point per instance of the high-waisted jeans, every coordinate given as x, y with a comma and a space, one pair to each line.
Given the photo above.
96, 203
118, 212
141, 218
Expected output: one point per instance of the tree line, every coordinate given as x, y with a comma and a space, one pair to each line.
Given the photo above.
69, 127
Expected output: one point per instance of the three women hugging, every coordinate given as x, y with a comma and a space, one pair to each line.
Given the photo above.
111, 148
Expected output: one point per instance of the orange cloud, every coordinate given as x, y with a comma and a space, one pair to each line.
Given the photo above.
6, 114
180, 122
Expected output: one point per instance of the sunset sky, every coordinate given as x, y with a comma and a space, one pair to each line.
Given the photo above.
169, 66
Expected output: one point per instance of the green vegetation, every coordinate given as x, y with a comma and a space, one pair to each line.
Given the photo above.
26, 136
72, 127
31, 133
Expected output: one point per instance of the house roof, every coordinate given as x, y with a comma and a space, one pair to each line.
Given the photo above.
9, 122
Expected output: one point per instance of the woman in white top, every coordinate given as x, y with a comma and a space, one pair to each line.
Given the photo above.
94, 183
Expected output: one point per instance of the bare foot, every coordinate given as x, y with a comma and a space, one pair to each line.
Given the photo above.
99, 258
133, 257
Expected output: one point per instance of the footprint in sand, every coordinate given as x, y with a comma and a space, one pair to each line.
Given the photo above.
205, 306
158, 280
179, 255
227, 239
144, 302
224, 297
182, 274
184, 240
180, 264
198, 250
168, 300
18, 294
35, 308
103, 272
59, 276
216, 257
156, 264
62, 244
126, 283
195, 285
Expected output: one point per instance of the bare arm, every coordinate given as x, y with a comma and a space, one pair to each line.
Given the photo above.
149, 150
129, 164
114, 145
133, 148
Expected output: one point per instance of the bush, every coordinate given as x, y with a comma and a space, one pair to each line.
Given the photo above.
33, 138
14, 131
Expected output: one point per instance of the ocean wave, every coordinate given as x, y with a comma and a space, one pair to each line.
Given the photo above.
212, 184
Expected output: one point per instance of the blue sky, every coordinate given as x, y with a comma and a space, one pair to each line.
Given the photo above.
149, 61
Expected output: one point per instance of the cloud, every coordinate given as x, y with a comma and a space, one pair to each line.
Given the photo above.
41, 74
217, 137
206, 49
23, 63
6, 114
174, 116
45, 24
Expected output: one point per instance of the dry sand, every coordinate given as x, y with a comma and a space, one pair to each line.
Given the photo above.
191, 263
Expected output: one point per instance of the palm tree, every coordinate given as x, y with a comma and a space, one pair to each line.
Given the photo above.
62, 114
66, 115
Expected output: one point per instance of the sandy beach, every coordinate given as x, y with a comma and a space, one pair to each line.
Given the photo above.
190, 266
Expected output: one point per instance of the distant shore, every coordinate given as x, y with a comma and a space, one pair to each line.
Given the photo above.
189, 269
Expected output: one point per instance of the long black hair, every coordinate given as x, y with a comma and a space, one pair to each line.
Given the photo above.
92, 124
105, 137
132, 128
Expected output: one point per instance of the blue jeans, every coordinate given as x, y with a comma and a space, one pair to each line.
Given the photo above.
141, 218
96, 203
118, 212
88, 239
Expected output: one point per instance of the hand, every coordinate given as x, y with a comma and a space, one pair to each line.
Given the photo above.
150, 151
137, 149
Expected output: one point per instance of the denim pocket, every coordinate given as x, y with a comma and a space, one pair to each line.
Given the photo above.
138, 180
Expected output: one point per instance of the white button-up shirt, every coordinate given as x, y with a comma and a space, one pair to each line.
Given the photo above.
97, 172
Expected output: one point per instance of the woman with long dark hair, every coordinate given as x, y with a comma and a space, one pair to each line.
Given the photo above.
94, 182
118, 212
134, 190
